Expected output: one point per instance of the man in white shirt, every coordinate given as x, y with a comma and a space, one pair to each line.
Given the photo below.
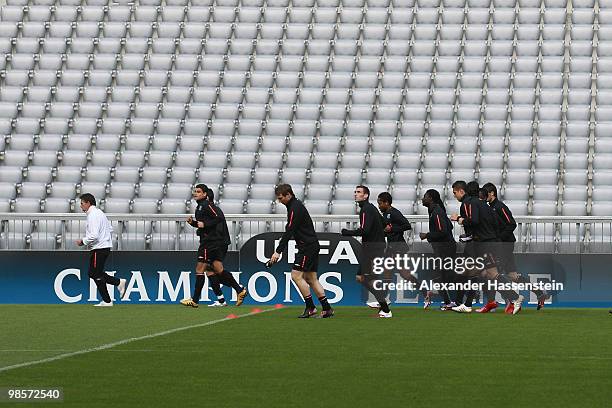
98, 239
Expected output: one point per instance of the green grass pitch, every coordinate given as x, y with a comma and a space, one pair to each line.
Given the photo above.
550, 358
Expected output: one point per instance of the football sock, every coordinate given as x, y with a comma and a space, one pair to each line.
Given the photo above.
324, 303
216, 287
470, 298
460, 294
445, 296
309, 303
200, 279
227, 279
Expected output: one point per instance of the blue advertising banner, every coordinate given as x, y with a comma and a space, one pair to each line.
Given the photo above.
167, 277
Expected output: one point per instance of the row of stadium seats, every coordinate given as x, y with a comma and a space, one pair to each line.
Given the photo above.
322, 3
137, 102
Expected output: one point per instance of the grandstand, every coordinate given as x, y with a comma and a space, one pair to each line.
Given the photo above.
136, 101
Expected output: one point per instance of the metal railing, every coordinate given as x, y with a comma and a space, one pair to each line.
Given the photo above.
170, 232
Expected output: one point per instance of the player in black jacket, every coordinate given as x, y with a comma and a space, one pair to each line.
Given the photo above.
214, 240
508, 225
477, 217
304, 271
395, 224
440, 236
372, 235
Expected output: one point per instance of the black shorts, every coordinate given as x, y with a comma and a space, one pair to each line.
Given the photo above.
506, 257
489, 250
208, 253
307, 260
366, 260
396, 247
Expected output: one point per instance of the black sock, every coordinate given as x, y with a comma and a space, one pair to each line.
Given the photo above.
459, 297
227, 279
309, 303
445, 296
324, 303
200, 279
216, 287
470, 298
384, 306
461, 279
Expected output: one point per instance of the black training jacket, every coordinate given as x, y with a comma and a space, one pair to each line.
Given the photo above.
399, 224
508, 222
299, 226
479, 219
214, 220
440, 227
371, 227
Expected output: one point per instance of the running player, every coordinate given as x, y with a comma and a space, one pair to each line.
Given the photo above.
304, 272
212, 230
480, 219
395, 225
440, 236
372, 235
507, 249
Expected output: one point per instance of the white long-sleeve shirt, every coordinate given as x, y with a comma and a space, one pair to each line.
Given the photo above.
98, 229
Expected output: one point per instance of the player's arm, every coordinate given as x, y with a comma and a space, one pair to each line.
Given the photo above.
399, 223
192, 222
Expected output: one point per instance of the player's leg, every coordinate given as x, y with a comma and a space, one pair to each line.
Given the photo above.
297, 276
467, 276
309, 264
112, 280
440, 254
217, 256
201, 267
317, 288
375, 283
473, 250
371, 283
215, 285
96, 273
490, 305
491, 273
512, 272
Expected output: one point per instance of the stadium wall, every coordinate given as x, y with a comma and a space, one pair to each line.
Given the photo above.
166, 276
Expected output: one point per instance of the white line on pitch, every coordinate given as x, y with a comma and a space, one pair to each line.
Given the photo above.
125, 341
